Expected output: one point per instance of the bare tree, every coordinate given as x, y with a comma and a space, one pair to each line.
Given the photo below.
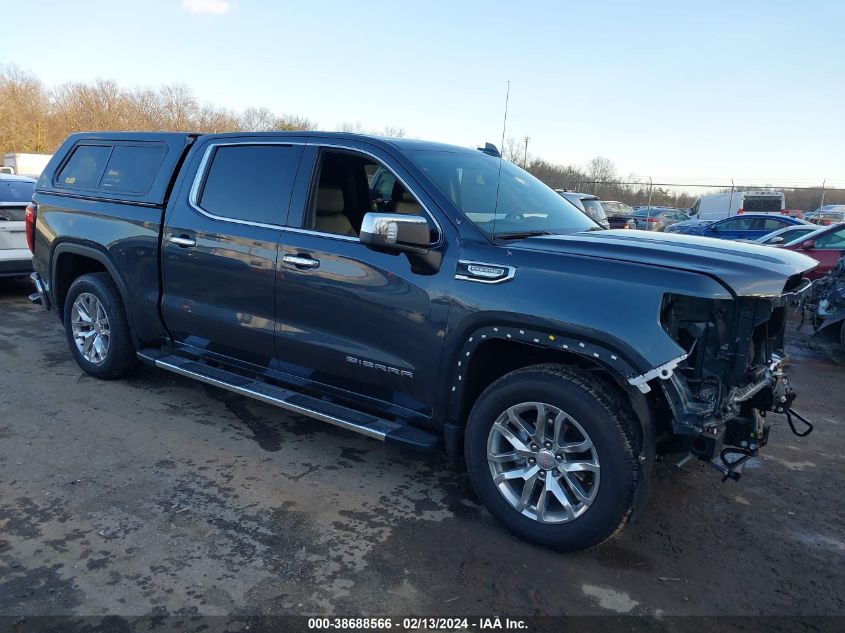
35, 119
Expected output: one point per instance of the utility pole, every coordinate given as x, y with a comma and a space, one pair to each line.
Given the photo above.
525, 160
821, 204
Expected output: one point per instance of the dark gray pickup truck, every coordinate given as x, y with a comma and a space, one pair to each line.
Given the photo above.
455, 302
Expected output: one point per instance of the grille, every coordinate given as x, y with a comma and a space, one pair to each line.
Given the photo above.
761, 205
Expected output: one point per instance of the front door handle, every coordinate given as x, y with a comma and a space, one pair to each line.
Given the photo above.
184, 241
301, 262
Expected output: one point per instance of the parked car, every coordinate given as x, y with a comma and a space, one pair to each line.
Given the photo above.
717, 206
15, 195
747, 227
827, 215
824, 306
786, 235
588, 204
685, 225
482, 314
656, 218
826, 246
618, 213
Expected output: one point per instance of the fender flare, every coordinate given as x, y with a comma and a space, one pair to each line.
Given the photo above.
630, 369
99, 255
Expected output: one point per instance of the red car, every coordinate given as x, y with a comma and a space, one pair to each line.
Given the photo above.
825, 246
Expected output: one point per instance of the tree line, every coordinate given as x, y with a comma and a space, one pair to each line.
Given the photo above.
37, 118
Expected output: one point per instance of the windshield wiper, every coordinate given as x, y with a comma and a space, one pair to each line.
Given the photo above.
518, 235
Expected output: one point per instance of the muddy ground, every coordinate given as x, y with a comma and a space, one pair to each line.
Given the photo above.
158, 495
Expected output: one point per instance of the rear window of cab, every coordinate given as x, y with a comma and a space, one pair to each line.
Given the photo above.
112, 168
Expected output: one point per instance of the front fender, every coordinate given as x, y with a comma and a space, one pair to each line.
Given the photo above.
613, 355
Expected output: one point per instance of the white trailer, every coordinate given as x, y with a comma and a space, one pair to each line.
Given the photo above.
25, 164
716, 206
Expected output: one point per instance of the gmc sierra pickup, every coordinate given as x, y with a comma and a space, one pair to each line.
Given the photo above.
460, 302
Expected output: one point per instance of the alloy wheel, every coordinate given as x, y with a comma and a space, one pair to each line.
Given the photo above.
543, 462
90, 327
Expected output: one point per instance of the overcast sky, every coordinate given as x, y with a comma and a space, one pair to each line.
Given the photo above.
673, 90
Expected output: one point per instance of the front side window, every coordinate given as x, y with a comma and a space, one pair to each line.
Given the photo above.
85, 167
250, 182
499, 197
344, 193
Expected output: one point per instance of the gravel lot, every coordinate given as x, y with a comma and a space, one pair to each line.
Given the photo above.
158, 495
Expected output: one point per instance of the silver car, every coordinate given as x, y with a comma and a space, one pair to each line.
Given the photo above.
588, 204
15, 196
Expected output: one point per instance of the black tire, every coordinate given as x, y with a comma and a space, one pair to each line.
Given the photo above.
120, 359
606, 418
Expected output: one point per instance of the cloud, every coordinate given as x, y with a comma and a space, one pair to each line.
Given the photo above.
208, 7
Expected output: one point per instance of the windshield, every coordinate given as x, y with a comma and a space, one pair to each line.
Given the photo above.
525, 205
16, 190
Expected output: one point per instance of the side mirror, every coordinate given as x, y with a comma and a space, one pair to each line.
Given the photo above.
776, 240
395, 232
808, 245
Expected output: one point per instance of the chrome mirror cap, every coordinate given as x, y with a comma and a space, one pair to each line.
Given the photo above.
396, 232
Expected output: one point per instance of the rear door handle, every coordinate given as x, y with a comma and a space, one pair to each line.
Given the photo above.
301, 262
184, 241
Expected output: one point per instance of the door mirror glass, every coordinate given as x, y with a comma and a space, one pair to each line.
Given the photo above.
395, 232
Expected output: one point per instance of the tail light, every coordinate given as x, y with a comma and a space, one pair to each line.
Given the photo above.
738, 211
29, 219
652, 220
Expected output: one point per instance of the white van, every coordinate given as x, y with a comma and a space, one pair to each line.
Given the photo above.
717, 206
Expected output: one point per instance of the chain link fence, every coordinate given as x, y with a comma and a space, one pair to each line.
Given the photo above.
682, 195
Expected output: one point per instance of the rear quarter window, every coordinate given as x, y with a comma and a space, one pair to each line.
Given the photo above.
85, 167
132, 168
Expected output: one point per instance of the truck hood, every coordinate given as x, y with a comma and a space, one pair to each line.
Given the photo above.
747, 269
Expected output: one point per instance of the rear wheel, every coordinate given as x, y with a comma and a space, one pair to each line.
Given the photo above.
97, 329
552, 452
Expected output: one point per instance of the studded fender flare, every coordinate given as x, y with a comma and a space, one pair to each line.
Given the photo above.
611, 359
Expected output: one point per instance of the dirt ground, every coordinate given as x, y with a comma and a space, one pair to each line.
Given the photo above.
158, 495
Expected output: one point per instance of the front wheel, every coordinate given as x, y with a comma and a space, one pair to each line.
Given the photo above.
97, 329
552, 452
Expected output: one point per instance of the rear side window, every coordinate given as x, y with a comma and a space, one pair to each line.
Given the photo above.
132, 168
85, 167
250, 182
773, 224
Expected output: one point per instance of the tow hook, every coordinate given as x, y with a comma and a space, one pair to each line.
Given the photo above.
792, 412
731, 468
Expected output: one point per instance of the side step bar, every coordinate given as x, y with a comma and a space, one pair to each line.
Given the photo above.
339, 415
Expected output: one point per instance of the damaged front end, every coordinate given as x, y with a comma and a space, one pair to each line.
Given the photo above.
732, 375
